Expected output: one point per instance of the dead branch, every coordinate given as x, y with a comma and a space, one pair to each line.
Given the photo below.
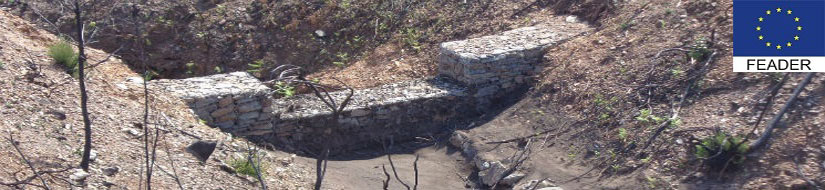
387, 180
294, 75
84, 98
775, 121
523, 156
799, 171
521, 138
415, 169
255, 160
681, 103
28, 163
394, 172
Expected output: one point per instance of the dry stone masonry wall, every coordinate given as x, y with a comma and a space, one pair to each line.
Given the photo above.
472, 72
497, 63
399, 111
234, 102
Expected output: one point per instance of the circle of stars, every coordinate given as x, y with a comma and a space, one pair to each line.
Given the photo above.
779, 11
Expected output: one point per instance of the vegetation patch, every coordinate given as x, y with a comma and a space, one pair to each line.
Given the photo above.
722, 151
246, 167
63, 54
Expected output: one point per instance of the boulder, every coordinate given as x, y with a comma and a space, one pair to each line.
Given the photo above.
202, 149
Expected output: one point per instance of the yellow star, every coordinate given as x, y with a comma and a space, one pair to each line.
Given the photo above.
778, 10
778, 47
796, 19
761, 19
760, 28
799, 28
768, 11
796, 38
768, 44
789, 44
789, 11
760, 37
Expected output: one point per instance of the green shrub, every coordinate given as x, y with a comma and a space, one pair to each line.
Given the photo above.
2, 65
720, 149
411, 38
255, 67
284, 89
63, 54
244, 166
623, 134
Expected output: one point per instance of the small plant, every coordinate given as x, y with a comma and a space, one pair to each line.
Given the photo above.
651, 182
149, 75
256, 67
202, 122
2, 65
626, 25
245, 167
676, 72
63, 54
646, 159
190, 68
218, 69
411, 38
623, 134
699, 50
343, 58
284, 89
616, 167
646, 116
720, 149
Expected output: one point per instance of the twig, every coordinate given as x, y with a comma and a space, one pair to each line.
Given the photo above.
22, 156
802, 175
521, 138
676, 111
387, 180
394, 172
415, 168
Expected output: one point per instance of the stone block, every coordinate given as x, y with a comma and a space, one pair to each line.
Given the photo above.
249, 115
223, 111
248, 107
225, 101
228, 117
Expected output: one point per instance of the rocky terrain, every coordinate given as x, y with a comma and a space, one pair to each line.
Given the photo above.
622, 104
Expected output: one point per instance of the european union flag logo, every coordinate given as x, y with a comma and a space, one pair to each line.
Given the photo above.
779, 30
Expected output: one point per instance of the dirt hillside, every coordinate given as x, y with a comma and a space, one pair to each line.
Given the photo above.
41, 112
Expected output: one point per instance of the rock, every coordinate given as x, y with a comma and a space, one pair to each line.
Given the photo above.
93, 155
798, 184
512, 179
359, 113
249, 107
79, 175
458, 138
225, 101
110, 171
108, 184
202, 149
222, 111
572, 19
536, 184
551, 188
226, 168
320, 33
493, 173
133, 132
